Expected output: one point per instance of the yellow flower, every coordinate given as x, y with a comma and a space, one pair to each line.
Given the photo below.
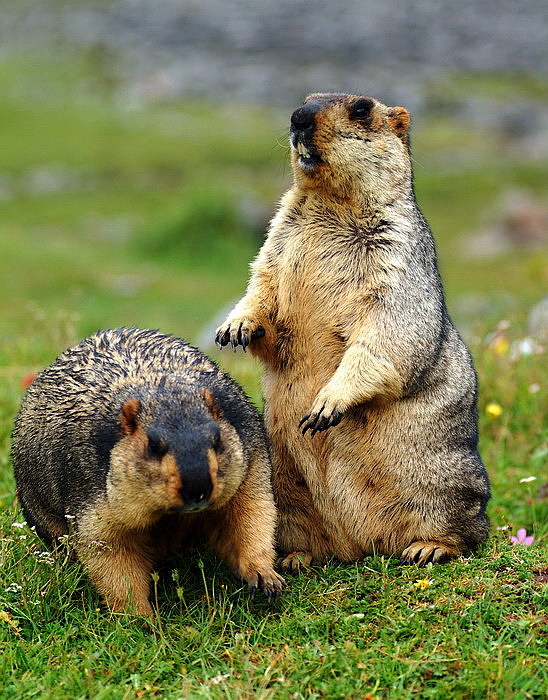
8, 619
423, 583
493, 409
498, 341
500, 345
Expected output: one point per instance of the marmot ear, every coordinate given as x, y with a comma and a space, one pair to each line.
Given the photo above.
212, 404
399, 119
128, 416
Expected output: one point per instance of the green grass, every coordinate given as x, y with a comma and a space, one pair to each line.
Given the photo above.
468, 629
150, 232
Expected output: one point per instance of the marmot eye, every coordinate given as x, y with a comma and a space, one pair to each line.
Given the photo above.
216, 439
361, 108
156, 446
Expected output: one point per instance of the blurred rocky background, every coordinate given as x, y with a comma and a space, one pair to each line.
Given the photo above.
160, 127
274, 51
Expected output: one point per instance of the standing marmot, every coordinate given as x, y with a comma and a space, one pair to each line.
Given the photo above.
346, 309
146, 444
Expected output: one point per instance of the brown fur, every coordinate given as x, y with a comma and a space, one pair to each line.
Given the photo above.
159, 450
346, 310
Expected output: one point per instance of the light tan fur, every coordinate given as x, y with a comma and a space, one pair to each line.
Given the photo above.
358, 349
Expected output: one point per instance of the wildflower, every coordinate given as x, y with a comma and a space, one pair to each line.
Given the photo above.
45, 557
220, 678
498, 341
27, 380
14, 588
493, 409
100, 545
423, 583
8, 619
500, 344
525, 347
19, 525
527, 479
522, 538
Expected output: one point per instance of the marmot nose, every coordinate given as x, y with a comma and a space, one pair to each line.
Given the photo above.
196, 499
303, 117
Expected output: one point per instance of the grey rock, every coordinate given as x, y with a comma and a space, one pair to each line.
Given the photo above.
537, 322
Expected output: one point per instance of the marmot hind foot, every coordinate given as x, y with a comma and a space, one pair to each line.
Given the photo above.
423, 552
296, 562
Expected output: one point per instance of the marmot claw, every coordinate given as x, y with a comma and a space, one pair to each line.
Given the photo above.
238, 333
318, 422
221, 339
268, 580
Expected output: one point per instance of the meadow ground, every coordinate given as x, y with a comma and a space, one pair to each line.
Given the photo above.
148, 215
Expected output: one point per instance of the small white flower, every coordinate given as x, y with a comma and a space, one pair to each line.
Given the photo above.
523, 348
220, 678
527, 479
355, 616
46, 557
19, 525
100, 545
14, 588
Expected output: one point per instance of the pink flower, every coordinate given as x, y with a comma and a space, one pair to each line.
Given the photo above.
522, 538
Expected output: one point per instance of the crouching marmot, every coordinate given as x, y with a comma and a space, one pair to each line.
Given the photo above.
143, 443
346, 309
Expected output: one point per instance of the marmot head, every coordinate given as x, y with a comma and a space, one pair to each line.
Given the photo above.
175, 452
350, 145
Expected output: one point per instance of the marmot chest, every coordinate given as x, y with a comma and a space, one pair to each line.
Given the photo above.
321, 274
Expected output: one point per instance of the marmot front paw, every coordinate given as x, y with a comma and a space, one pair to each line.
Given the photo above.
265, 578
324, 414
239, 331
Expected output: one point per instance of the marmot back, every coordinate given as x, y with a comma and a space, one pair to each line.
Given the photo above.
346, 309
142, 442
